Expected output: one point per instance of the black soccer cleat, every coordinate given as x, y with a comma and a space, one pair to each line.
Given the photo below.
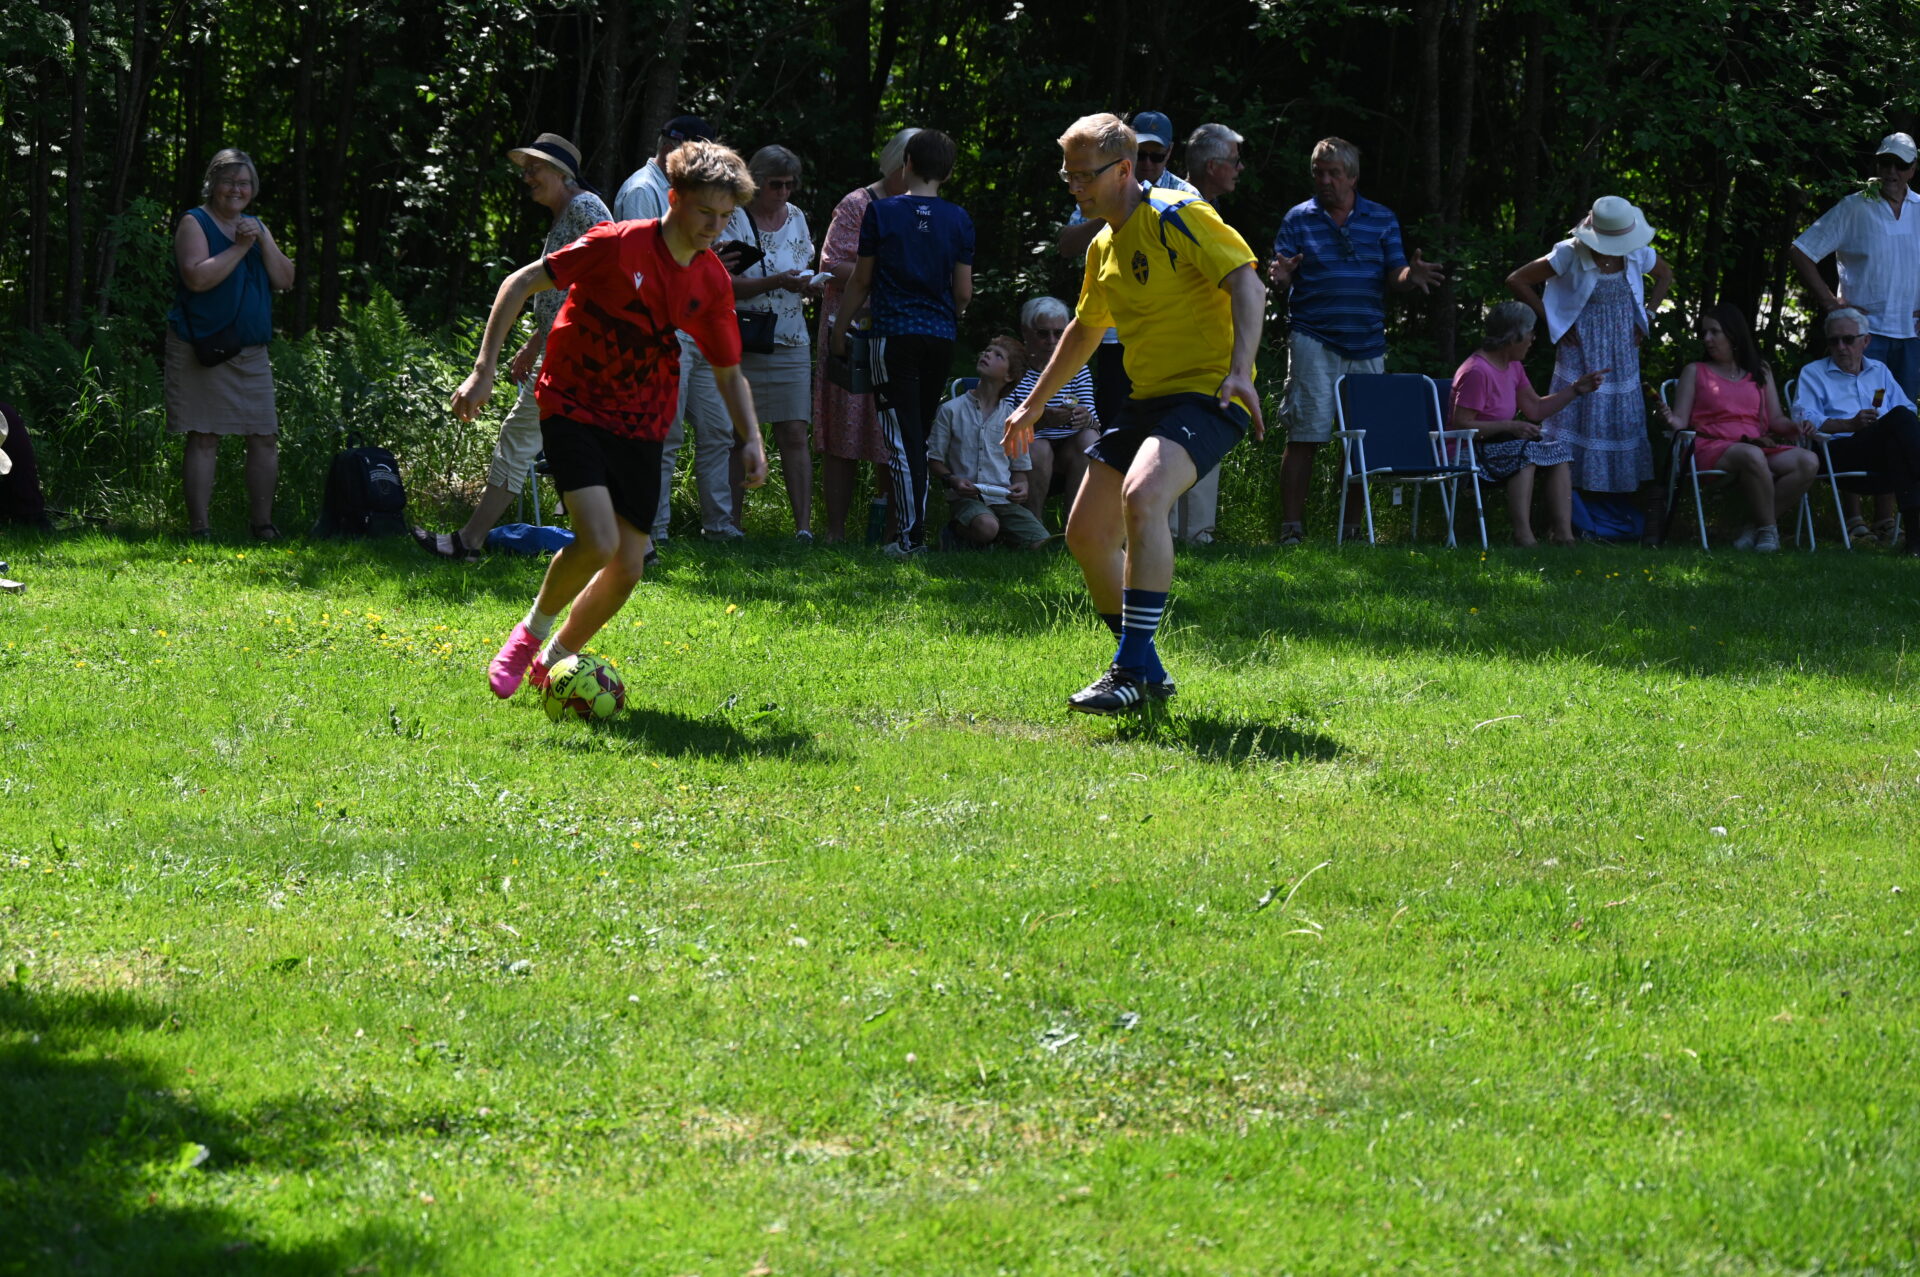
1117, 692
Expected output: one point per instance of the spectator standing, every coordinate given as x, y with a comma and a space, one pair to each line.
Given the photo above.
916, 261
644, 195
781, 377
550, 168
1337, 256
1070, 423
984, 487
1591, 290
1872, 238
218, 378
1154, 133
1858, 401
846, 426
21, 501
1213, 169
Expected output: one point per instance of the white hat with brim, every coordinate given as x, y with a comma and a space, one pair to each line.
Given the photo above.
550, 148
1898, 145
1614, 227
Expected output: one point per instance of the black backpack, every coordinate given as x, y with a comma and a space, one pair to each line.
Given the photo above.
364, 496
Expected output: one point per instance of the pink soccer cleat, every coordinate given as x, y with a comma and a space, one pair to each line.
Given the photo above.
539, 675
509, 666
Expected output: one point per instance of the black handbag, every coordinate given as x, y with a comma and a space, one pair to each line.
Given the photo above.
214, 349
756, 326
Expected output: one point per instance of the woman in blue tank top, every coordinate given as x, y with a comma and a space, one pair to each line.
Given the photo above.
218, 379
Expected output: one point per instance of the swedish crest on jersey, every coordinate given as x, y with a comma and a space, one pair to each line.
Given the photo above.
1139, 266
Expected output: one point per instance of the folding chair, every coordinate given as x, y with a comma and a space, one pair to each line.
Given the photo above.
1391, 427
1821, 439
535, 468
1683, 456
960, 386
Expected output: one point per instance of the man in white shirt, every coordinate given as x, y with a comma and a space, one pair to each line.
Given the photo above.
1857, 400
643, 195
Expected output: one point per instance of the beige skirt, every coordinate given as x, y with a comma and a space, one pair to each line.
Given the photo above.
234, 398
782, 382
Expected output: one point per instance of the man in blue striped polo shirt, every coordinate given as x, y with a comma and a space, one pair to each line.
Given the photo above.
1339, 254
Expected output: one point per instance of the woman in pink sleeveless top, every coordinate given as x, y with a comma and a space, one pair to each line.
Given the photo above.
1730, 401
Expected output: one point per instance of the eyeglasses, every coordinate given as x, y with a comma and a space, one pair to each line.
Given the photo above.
1846, 339
234, 184
1078, 177
1891, 161
1153, 157
782, 183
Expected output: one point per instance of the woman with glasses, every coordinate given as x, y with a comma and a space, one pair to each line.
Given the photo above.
218, 379
1730, 402
781, 377
1591, 291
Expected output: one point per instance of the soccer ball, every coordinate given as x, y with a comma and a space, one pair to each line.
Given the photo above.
584, 687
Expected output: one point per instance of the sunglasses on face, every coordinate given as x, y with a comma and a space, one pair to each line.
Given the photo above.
782, 183
1153, 157
1847, 339
1891, 161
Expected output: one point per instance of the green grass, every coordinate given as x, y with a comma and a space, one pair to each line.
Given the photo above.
1517, 913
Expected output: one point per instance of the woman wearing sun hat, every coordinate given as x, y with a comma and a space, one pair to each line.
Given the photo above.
550, 167
1591, 290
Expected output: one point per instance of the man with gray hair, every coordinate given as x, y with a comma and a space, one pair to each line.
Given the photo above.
1071, 421
1877, 253
1338, 254
1859, 401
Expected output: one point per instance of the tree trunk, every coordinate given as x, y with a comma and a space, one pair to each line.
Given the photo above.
610, 148
1453, 192
39, 179
1532, 142
302, 170
663, 77
334, 177
77, 174
136, 86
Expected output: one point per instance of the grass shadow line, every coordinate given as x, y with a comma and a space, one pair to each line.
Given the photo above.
1232, 741
676, 735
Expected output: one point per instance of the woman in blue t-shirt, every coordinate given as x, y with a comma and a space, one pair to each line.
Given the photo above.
218, 379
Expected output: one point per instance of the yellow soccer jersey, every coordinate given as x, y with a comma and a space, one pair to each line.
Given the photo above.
1157, 279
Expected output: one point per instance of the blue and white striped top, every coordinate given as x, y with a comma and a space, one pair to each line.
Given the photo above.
1340, 288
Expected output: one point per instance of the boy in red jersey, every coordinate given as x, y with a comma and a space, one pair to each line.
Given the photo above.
609, 388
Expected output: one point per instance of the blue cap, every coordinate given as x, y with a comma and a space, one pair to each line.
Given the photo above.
1151, 126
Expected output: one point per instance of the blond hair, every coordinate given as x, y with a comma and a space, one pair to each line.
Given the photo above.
1106, 133
694, 165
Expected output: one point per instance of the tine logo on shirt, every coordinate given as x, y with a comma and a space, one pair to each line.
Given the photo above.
1140, 266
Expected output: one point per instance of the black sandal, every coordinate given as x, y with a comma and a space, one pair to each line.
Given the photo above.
446, 545
265, 532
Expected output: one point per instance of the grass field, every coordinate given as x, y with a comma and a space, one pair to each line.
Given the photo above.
1534, 911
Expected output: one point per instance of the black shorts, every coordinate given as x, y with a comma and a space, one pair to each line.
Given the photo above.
1196, 422
583, 456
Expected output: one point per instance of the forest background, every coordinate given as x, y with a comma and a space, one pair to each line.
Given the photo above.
381, 132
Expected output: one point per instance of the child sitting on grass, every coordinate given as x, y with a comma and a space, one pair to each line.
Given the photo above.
985, 490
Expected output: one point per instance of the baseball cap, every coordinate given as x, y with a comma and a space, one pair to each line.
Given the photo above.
1151, 126
1898, 144
687, 128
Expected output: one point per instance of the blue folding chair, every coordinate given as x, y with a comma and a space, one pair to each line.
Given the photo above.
1391, 427
1681, 462
960, 386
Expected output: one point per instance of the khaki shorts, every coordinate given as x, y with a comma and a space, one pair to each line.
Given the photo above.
1313, 370
1017, 523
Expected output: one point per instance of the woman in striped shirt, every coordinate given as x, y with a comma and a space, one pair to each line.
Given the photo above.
1070, 424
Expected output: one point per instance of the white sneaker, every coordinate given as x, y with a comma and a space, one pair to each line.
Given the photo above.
1767, 540
1746, 538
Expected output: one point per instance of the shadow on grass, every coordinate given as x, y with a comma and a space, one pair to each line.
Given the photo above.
1231, 740
766, 734
92, 1138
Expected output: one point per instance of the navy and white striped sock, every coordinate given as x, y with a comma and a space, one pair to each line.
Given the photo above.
1113, 622
1140, 612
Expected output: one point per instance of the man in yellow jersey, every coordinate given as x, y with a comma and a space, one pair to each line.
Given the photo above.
1184, 291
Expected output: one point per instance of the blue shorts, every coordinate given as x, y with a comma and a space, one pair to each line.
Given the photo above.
1196, 422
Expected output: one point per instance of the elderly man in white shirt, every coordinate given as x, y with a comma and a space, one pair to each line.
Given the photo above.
1871, 417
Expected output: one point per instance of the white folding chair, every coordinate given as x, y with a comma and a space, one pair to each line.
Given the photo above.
1682, 456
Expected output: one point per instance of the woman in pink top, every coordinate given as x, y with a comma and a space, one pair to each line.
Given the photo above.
1493, 398
1730, 402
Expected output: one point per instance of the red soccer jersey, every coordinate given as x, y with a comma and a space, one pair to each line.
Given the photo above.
612, 358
